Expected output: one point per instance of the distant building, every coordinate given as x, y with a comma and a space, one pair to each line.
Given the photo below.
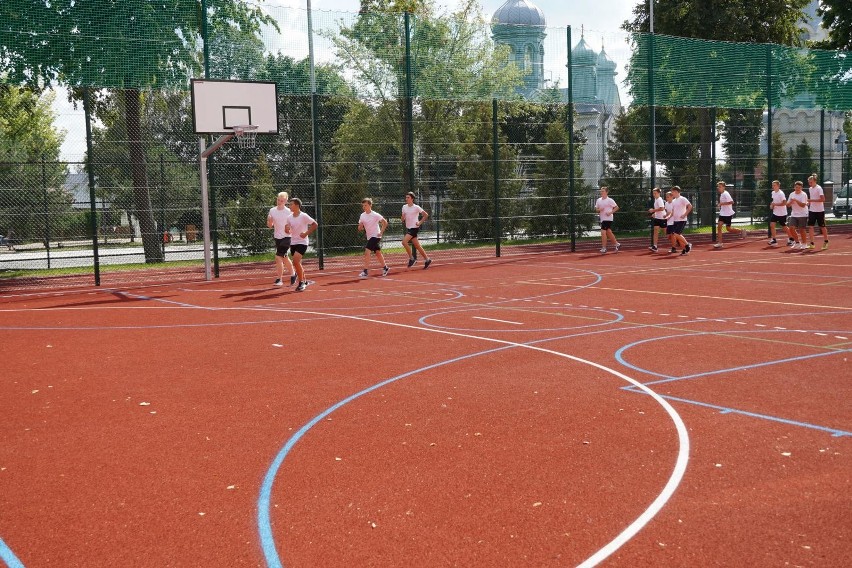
520, 24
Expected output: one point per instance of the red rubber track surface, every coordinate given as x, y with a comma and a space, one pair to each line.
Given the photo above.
138, 422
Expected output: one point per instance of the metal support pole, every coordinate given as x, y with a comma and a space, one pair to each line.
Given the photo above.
821, 145
769, 113
203, 154
47, 209
495, 162
652, 110
571, 219
713, 165
163, 206
90, 166
315, 145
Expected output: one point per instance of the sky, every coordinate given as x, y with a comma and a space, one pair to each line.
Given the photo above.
600, 19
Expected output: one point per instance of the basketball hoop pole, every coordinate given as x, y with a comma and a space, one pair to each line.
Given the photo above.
203, 154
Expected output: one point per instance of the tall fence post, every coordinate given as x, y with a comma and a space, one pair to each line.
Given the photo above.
652, 109
821, 145
571, 219
409, 103
769, 173
713, 165
46, 209
495, 162
163, 228
90, 165
317, 187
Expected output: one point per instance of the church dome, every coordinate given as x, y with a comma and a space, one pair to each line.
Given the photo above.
604, 62
519, 13
582, 54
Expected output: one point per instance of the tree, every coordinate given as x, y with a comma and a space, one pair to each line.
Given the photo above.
247, 215
624, 179
802, 162
837, 19
30, 175
723, 20
106, 43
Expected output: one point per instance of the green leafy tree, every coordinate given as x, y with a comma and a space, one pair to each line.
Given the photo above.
837, 19
31, 195
127, 46
802, 163
723, 20
470, 211
247, 215
781, 172
624, 179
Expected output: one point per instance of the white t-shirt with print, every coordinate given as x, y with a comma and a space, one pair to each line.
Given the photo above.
605, 207
816, 192
280, 217
798, 198
298, 225
372, 223
726, 207
411, 213
778, 199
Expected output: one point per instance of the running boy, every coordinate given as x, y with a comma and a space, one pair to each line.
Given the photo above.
726, 214
374, 225
816, 214
413, 216
778, 203
658, 218
670, 222
277, 221
606, 207
681, 208
300, 226
798, 221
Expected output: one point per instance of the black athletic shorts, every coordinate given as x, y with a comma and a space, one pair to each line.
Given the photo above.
413, 231
778, 219
816, 218
670, 229
726, 219
659, 222
374, 244
301, 249
606, 225
678, 227
282, 246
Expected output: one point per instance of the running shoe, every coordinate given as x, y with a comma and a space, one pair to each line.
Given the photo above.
292, 279
385, 270
653, 248
617, 246
603, 251
717, 246
363, 273
684, 252
810, 246
301, 286
411, 262
672, 250
277, 282
825, 245
688, 247
773, 243
791, 242
427, 263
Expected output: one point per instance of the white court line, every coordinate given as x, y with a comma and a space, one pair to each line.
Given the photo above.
501, 321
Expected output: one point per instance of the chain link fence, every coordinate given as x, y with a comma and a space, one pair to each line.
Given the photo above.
501, 145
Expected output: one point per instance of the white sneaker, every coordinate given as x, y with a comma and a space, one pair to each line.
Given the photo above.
363, 273
603, 251
717, 246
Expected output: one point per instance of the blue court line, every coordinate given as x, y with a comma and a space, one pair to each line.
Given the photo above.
9, 557
727, 410
264, 523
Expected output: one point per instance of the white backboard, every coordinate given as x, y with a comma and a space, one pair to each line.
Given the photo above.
219, 105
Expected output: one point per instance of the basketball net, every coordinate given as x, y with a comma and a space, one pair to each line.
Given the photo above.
246, 135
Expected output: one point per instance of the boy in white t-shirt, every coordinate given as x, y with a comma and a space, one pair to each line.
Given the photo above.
277, 221
798, 220
726, 214
816, 212
681, 208
658, 218
374, 226
606, 207
670, 222
778, 206
413, 216
300, 227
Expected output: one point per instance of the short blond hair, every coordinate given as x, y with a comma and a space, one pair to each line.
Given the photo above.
284, 194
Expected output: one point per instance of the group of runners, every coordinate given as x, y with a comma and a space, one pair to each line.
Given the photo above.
670, 216
292, 227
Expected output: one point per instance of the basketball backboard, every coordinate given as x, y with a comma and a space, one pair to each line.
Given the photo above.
218, 106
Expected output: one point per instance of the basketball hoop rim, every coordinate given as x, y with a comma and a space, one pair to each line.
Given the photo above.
241, 129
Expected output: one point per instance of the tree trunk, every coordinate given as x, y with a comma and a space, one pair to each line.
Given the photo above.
141, 197
705, 168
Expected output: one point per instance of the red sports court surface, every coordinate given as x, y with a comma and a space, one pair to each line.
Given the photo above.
544, 409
